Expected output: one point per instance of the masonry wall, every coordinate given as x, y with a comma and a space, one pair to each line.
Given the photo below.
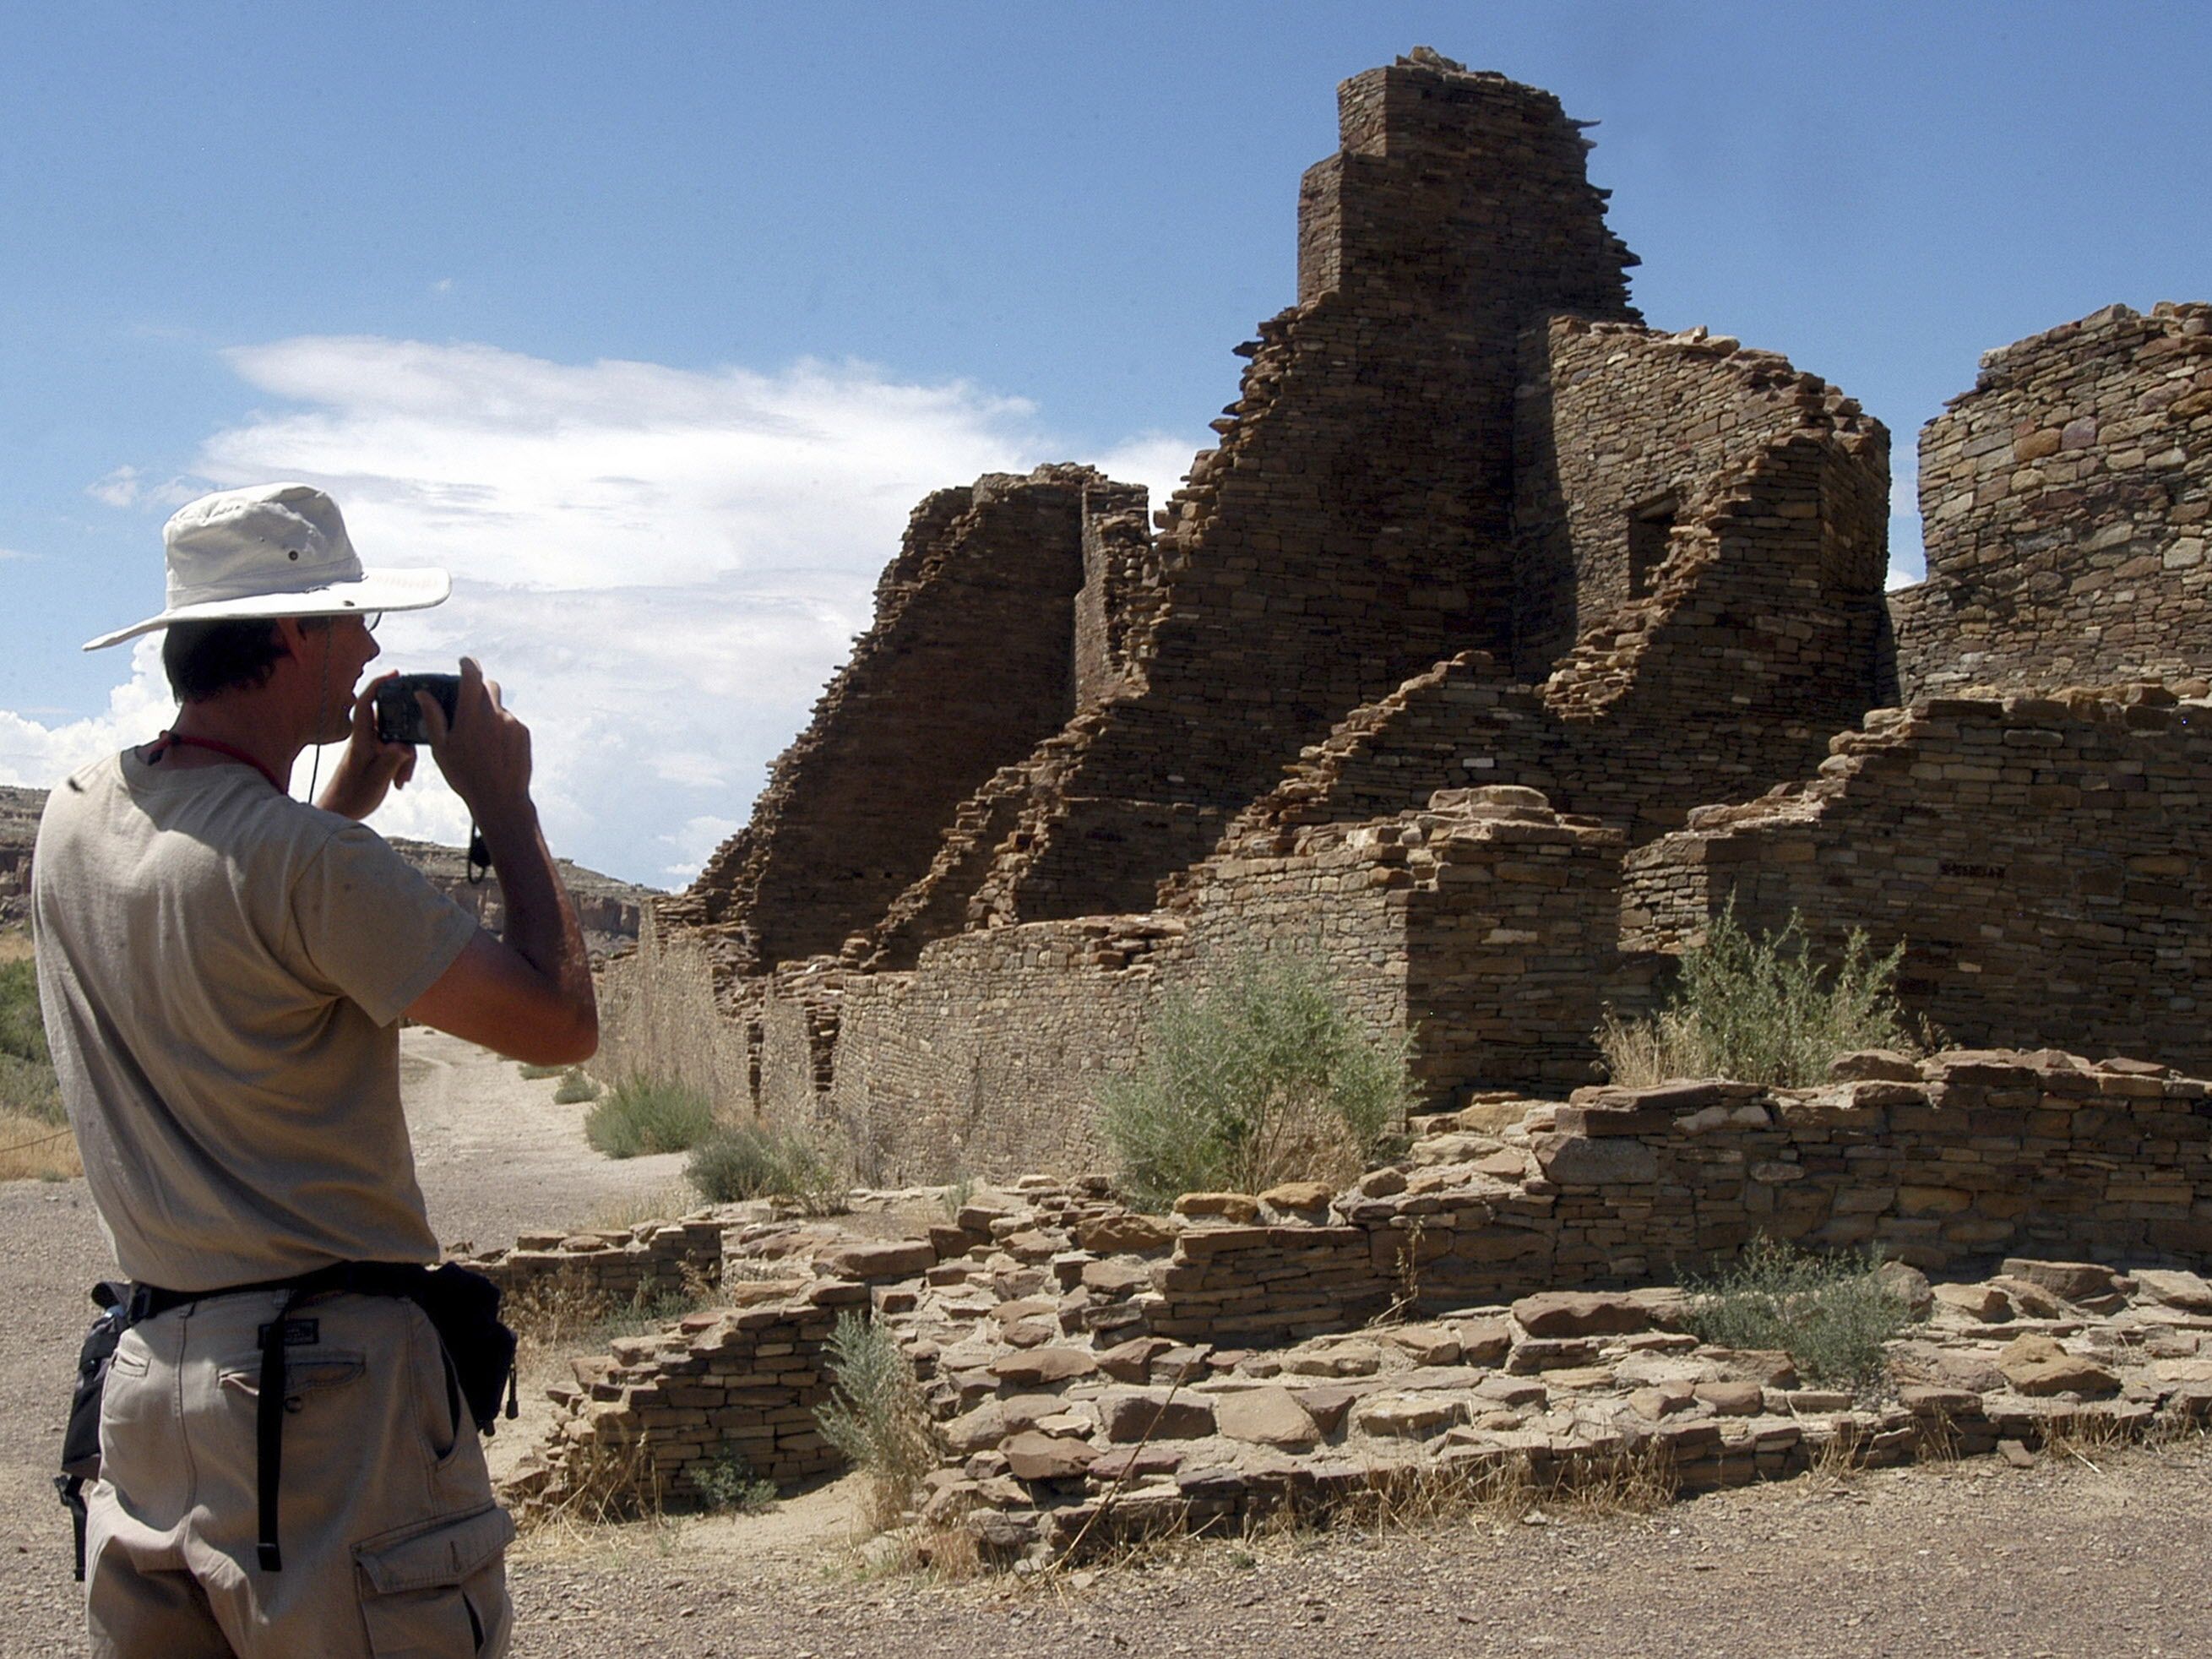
1621, 433
1759, 639
1475, 923
2042, 858
1964, 1159
1354, 525
972, 661
2063, 503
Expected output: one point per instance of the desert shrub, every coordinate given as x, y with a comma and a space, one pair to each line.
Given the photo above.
758, 1160
1830, 1314
727, 1485
1268, 1077
28, 1088
1761, 1009
574, 1088
640, 1116
533, 1072
876, 1415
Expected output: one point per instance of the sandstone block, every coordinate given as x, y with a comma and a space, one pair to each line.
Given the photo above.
1137, 1415
1297, 1196
1238, 1207
1034, 1455
2174, 1288
1732, 1399
1126, 1233
1408, 1416
2036, 1364
1581, 1313
1267, 1417
1983, 1301
891, 1259
2075, 1281
1131, 1361
1044, 1367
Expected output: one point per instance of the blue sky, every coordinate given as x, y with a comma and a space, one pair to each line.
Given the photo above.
654, 322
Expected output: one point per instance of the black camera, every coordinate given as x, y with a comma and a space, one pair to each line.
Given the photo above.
399, 717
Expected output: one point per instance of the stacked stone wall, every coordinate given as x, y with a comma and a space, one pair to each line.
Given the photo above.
972, 661
2043, 861
2064, 504
1354, 525
1473, 922
664, 1420
626, 1267
1957, 1162
1621, 433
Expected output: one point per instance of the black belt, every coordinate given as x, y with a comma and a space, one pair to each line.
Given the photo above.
404, 1279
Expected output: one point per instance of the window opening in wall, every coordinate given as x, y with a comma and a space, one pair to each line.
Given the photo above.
1649, 527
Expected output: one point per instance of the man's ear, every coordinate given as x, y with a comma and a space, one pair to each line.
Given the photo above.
291, 637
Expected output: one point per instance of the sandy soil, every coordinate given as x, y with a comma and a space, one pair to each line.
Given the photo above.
2065, 1558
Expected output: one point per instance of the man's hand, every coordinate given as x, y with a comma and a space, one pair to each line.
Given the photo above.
370, 765
485, 752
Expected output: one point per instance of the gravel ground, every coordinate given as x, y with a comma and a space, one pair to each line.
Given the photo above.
2060, 1559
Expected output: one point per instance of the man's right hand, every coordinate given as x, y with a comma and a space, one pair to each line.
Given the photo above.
485, 752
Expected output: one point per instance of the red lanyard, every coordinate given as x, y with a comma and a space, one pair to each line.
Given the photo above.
229, 750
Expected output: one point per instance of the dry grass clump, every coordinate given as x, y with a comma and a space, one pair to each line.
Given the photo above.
640, 1115
1832, 1314
877, 1416
736, 1162
1761, 1009
1267, 1077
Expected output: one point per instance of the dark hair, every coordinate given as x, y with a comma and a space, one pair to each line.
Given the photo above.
205, 659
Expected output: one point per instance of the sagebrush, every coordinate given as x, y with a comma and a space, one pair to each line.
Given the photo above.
1762, 1010
877, 1416
639, 1115
1267, 1077
574, 1088
758, 1160
1830, 1314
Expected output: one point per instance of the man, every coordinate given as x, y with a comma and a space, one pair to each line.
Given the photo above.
222, 971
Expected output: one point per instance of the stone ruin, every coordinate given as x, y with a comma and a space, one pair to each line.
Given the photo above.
1500, 640
1094, 1375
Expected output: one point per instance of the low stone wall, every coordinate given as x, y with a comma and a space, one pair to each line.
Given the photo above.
660, 1420
2042, 858
626, 1266
1964, 1158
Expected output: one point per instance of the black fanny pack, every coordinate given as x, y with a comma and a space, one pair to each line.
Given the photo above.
461, 1304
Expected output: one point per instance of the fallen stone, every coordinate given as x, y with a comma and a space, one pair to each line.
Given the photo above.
1580, 1313
1426, 1344
2173, 1287
1033, 1455
1126, 1234
2016, 1454
1908, 1284
1660, 1400
1873, 1065
1483, 1341
1131, 1361
2075, 1281
1044, 1367
1239, 1207
2036, 1365
1298, 1197
1984, 1302
1116, 1278
906, 1258
1137, 1415
1512, 1391
1266, 1417
1732, 1399
1326, 1406
1133, 1463
2029, 1299
1408, 1416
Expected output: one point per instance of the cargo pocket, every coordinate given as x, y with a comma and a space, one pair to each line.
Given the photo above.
431, 1593
305, 1374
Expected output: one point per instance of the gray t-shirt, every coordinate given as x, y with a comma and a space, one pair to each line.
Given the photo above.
222, 970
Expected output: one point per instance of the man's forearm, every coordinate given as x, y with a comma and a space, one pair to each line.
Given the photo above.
541, 918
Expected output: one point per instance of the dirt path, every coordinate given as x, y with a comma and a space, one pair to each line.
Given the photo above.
2061, 1559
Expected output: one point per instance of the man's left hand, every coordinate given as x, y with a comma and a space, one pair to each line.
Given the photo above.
370, 765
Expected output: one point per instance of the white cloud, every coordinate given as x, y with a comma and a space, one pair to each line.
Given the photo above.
42, 755
662, 565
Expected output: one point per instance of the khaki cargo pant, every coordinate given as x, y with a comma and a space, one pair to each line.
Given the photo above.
392, 1541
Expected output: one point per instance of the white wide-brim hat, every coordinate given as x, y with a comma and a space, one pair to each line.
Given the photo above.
276, 550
